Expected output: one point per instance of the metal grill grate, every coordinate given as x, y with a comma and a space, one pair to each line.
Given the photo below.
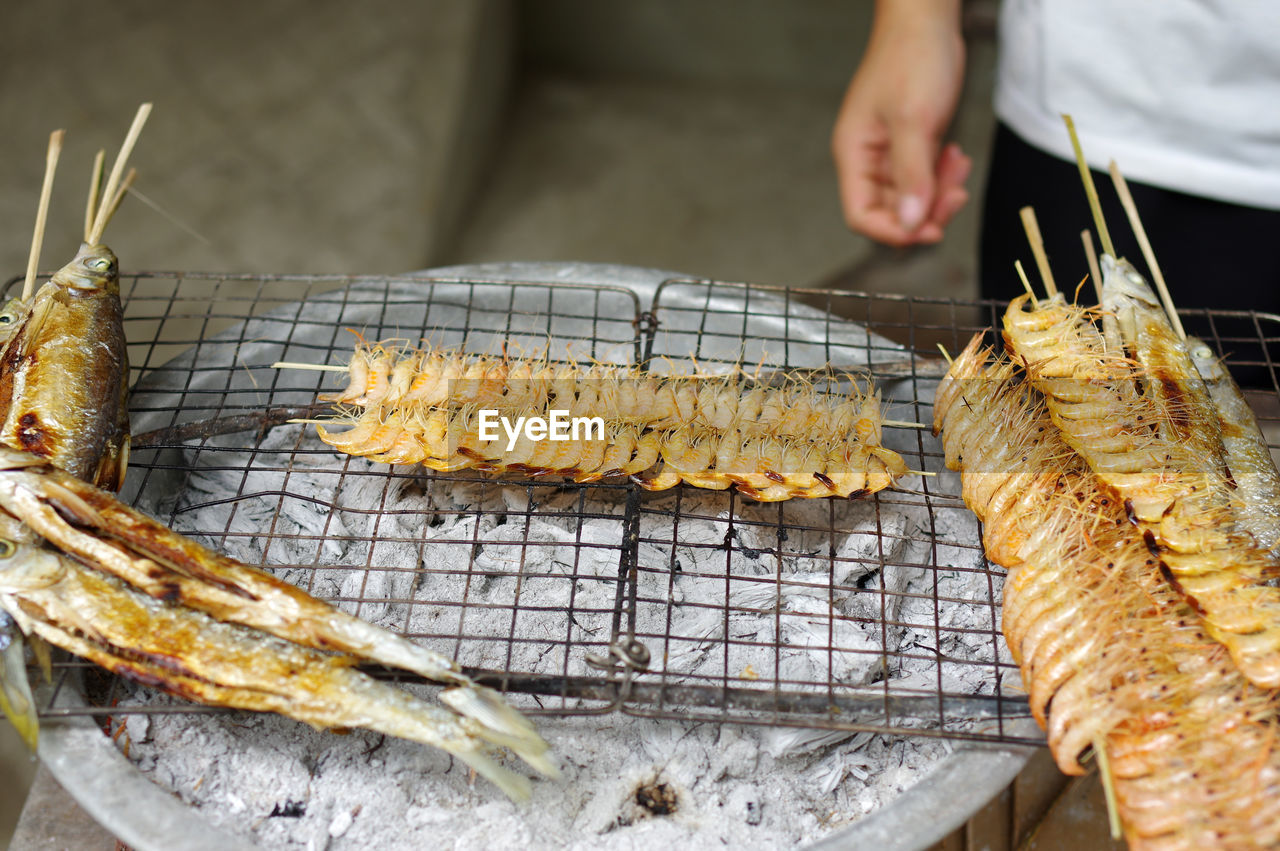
879, 614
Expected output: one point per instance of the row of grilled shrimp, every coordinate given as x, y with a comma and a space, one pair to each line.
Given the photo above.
82, 571
424, 406
1144, 420
1112, 656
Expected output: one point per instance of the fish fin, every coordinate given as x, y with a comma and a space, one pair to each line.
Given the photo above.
15, 691
501, 725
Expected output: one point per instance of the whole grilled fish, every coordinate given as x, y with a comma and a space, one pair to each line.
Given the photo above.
64, 372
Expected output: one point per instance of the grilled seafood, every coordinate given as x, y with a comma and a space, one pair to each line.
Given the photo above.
1147, 431
140, 600
100, 530
64, 370
1111, 656
1248, 457
81, 426
84, 572
710, 431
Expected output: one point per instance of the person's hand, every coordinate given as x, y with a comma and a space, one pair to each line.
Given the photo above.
896, 186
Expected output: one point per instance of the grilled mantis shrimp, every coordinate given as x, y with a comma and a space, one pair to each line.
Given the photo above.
86, 573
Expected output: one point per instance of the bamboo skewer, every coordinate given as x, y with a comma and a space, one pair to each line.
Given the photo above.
117, 172
42, 211
1026, 284
320, 367
1032, 227
1095, 206
1092, 256
95, 191
121, 192
1131, 210
1108, 788
1110, 329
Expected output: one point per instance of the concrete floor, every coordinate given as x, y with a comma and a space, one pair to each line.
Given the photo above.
326, 137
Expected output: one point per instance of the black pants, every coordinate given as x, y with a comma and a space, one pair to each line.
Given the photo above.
1213, 254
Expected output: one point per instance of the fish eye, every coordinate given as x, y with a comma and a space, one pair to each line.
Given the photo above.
7, 548
1202, 352
99, 264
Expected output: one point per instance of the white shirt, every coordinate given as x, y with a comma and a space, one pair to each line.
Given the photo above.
1183, 94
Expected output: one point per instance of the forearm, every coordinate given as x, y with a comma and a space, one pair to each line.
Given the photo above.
906, 11
897, 183
898, 22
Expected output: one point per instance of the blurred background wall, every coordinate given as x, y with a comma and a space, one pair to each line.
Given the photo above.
320, 136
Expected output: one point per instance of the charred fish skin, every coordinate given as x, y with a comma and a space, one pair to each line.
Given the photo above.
64, 372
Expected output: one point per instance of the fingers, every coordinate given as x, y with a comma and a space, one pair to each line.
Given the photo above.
866, 194
875, 205
954, 167
911, 166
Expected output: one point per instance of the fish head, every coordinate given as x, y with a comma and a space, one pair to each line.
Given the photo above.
1121, 280
93, 269
25, 562
11, 313
1206, 360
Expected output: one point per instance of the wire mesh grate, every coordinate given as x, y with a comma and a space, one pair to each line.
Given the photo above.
878, 614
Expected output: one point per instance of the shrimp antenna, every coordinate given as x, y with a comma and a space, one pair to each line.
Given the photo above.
95, 190
1131, 210
1095, 206
117, 172
42, 211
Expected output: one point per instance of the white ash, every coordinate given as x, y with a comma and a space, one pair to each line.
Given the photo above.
741, 785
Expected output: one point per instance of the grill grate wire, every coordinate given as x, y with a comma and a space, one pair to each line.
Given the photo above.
204, 397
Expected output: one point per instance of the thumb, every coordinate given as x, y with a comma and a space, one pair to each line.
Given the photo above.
911, 160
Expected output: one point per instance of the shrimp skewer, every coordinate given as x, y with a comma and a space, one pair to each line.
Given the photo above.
1142, 430
710, 431
1111, 656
